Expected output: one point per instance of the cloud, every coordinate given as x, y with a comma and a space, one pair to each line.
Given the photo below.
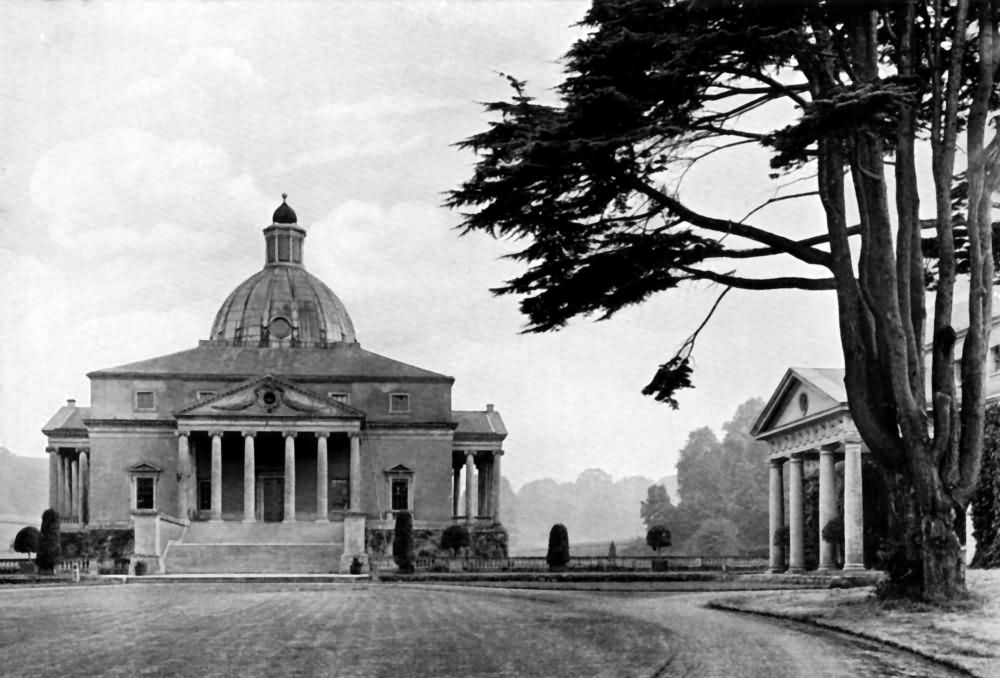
212, 70
366, 148
123, 190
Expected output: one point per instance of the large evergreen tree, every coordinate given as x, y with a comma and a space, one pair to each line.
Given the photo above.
839, 92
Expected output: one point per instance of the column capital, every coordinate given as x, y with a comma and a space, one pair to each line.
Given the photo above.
289, 434
776, 462
216, 433
497, 453
796, 458
182, 434
250, 433
83, 450
826, 451
354, 434
322, 434
470, 453
50, 448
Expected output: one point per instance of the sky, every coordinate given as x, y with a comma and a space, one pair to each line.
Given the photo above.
143, 147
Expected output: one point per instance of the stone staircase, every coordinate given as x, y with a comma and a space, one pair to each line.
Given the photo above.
255, 548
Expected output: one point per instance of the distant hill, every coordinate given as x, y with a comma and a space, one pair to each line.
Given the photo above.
594, 508
24, 484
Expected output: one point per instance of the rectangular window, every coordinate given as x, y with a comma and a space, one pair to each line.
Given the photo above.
283, 242
144, 493
995, 358
400, 494
204, 495
296, 250
340, 397
340, 494
145, 400
270, 248
399, 402
201, 395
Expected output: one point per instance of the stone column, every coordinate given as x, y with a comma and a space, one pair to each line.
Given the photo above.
355, 482
796, 543
481, 485
77, 507
776, 515
469, 461
215, 514
84, 500
322, 478
289, 477
495, 477
854, 548
249, 478
67, 509
53, 477
827, 507
183, 474
456, 488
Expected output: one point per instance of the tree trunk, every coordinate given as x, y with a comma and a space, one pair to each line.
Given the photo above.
944, 571
900, 552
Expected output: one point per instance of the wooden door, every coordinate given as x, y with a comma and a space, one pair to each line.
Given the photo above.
272, 499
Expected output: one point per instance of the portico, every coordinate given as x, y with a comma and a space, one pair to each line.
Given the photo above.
808, 426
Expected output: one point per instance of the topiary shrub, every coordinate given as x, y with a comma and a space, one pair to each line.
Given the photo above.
833, 533
49, 552
402, 542
454, 538
658, 537
27, 540
558, 554
612, 551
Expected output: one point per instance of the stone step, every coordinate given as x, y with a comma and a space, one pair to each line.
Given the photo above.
227, 532
255, 578
184, 558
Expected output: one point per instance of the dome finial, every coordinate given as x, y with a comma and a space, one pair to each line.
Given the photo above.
284, 214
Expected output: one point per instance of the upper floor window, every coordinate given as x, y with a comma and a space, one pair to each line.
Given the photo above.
995, 358
201, 395
399, 402
340, 397
145, 493
400, 494
145, 400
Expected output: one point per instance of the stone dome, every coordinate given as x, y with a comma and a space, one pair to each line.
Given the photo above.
283, 304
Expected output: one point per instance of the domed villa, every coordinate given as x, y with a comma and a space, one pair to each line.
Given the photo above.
278, 444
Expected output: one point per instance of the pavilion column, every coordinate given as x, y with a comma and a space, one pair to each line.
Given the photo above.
796, 542
183, 474
776, 515
215, 513
456, 488
482, 483
827, 507
249, 478
84, 487
322, 478
289, 477
75, 508
854, 549
53, 477
355, 481
469, 487
67, 498
495, 486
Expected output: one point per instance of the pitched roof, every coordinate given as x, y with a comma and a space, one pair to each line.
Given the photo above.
829, 381
67, 418
479, 422
210, 359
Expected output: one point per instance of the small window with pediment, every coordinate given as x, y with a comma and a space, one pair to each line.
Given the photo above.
340, 397
201, 395
144, 479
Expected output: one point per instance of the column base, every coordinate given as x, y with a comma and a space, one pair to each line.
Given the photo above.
795, 570
249, 520
322, 520
776, 570
853, 567
289, 520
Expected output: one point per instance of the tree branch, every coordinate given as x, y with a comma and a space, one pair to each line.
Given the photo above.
779, 283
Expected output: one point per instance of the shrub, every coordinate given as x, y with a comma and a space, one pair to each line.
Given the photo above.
356, 566
140, 568
781, 537
658, 537
455, 537
833, 531
27, 540
715, 537
558, 554
402, 542
49, 552
612, 551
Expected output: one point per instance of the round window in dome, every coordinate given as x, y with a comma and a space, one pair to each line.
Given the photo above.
280, 328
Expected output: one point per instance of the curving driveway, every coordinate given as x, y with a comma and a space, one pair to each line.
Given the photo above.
402, 630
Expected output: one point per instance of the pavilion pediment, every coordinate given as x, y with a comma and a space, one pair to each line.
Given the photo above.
269, 397
802, 396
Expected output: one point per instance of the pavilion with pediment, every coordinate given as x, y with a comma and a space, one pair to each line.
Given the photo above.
277, 444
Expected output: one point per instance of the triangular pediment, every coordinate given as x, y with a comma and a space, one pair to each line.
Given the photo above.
269, 396
144, 467
803, 394
399, 468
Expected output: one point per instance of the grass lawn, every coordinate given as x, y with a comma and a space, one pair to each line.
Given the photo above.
314, 630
